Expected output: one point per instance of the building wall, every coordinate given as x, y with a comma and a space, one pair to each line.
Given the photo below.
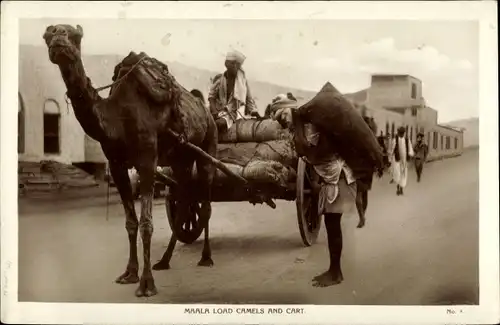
470, 129
394, 92
444, 142
40, 83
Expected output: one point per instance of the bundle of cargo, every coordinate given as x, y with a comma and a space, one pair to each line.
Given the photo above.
351, 136
253, 130
281, 151
257, 172
264, 154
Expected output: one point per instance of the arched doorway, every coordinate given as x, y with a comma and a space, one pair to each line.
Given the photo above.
51, 127
20, 123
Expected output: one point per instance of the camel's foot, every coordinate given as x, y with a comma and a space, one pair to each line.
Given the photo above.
328, 278
206, 261
161, 265
128, 277
146, 287
361, 222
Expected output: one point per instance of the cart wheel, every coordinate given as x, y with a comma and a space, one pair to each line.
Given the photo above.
307, 204
189, 230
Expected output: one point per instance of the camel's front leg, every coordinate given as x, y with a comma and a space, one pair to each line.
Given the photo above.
122, 181
146, 170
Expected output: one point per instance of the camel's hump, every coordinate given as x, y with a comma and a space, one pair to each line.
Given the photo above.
132, 58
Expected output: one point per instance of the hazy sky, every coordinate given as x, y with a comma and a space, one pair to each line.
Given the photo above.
304, 53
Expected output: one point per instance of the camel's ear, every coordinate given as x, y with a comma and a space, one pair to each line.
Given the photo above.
80, 30
48, 31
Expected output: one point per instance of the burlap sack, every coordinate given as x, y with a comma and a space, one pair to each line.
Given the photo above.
353, 139
257, 172
281, 151
254, 130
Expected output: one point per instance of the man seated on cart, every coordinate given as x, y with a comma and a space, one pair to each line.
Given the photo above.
230, 98
337, 188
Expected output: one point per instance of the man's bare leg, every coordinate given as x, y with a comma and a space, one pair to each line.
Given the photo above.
333, 275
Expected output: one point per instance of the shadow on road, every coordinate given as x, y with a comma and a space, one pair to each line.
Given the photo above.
252, 245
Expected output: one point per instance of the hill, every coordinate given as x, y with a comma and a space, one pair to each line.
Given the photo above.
471, 130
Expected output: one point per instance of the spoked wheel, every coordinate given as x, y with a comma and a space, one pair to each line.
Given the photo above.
188, 228
307, 204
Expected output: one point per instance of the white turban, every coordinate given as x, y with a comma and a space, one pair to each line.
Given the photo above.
235, 56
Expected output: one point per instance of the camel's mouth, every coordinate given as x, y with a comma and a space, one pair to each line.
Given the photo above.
61, 53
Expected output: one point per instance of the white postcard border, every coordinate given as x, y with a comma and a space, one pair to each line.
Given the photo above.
484, 11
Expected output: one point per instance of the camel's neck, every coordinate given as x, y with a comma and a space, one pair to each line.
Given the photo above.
84, 98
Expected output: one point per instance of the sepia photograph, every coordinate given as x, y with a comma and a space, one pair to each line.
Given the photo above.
244, 164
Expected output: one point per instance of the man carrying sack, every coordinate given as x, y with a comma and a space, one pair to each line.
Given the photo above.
328, 132
229, 97
337, 189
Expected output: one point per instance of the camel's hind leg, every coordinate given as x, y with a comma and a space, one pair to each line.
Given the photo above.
182, 172
206, 172
205, 176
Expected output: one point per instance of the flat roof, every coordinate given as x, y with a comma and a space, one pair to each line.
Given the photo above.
450, 128
393, 75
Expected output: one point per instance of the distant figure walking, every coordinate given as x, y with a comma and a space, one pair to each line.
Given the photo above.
382, 142
402, 150
390, 156
421, 152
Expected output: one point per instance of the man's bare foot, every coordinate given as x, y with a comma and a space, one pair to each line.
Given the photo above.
328, 278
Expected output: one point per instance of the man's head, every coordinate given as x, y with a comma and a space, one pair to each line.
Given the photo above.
401, 131
420, 137
281, 110
63, 43
234, 61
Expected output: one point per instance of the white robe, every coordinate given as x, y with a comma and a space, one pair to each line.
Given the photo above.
400, 168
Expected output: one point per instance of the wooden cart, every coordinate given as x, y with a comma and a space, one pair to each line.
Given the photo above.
301, 192
306, 198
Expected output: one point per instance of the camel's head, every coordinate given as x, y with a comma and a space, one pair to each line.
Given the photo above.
63, 42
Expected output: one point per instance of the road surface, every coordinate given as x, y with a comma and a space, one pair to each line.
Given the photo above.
419, 249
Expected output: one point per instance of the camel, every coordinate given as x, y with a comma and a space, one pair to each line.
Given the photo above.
134, 128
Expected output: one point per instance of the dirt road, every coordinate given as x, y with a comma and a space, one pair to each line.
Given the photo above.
421, 248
